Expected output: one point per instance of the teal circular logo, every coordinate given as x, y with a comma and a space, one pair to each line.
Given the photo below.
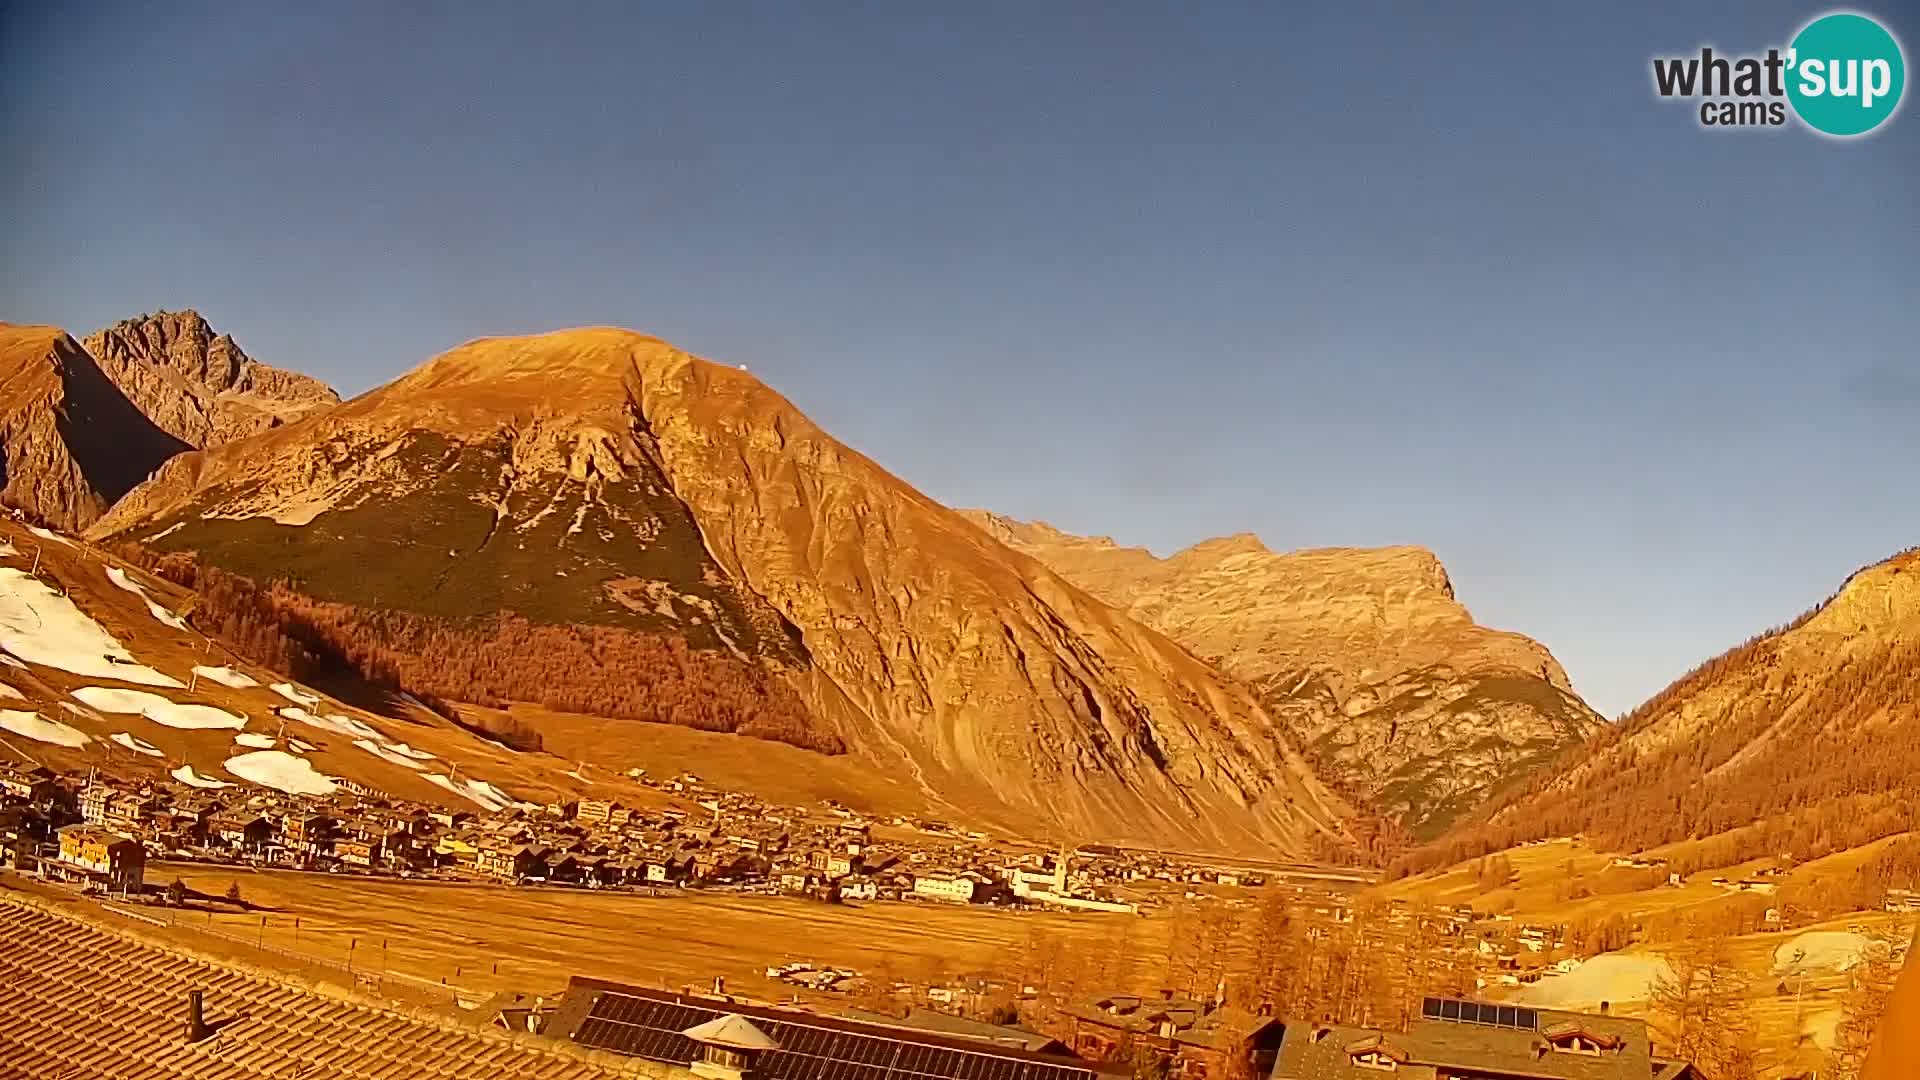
1846, 74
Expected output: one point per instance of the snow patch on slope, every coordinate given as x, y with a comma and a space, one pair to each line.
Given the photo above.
38, 728
281, 771
187, 776
296, 695
40, 626
483, 794
119, 577
334, 722
380, 751
226, 676
136, 744
158, 709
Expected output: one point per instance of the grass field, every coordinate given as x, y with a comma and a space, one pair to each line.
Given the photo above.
486, 938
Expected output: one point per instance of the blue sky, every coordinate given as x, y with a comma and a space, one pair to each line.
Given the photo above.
1338, 275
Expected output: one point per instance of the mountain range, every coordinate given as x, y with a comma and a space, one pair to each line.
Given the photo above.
608, 495
602, 478
1402, 698
197, 386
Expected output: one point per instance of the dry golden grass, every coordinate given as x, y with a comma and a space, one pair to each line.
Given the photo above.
1793, 1019
485, 938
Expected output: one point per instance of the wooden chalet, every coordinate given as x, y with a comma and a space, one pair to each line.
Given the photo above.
1183, 1034
1471, 1040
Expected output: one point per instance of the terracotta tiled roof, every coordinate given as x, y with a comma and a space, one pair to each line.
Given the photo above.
86, 1002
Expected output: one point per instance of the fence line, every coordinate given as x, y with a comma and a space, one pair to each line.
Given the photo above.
148, 919
361, 976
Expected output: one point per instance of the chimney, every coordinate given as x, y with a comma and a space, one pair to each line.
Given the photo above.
197, 1028
719, 986
1606, 1008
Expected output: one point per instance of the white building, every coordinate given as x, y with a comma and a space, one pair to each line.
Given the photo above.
954, 888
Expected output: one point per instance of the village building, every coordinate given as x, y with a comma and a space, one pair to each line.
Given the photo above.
667, 871
183, 825
1185, 1035
358, 851
1470, 1040
106, 858
593, 811
306, 836
962, 888
93, 802
515, 862
29, 787
240, 830
457, 852
127, 811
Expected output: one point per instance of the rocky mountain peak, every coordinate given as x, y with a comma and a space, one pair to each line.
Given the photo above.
1220, 548
1406, 697
70, 442
199, 386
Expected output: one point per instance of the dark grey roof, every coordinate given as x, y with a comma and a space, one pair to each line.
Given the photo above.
928, 1020
1195, 1023
1320, 1051
639, 1022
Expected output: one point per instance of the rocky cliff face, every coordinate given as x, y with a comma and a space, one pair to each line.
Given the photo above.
198, 387
1406, 700
70, 442
599, 475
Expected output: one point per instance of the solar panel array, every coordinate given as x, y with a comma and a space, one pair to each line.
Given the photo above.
1480, 1012
644, 1027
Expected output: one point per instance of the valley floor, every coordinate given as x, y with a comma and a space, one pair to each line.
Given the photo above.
487, 938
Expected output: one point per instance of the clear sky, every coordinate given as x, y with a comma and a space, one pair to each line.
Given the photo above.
1341, 275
